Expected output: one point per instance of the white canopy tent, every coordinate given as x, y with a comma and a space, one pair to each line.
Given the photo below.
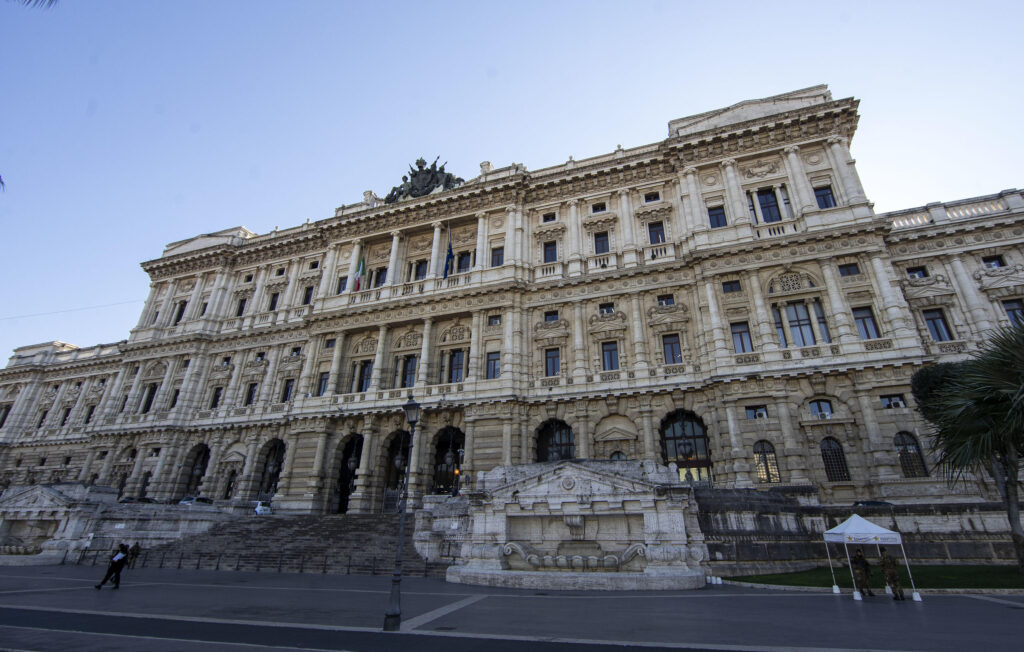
860, 531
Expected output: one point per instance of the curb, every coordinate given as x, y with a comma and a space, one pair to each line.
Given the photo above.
822, 589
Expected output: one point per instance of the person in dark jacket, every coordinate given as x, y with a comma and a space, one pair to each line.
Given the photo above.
862, 573
117, 563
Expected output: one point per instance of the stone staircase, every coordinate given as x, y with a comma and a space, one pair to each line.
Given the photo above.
339, 544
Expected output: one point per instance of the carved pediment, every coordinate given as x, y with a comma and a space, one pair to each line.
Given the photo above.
760, 169
600, 221
549, 328
366, 345
673, 314
34, 497
606, 323
222, 371
653, 213
292, 361
548, 231
455, 333
917, 288
1000, 278
616, 433
420, 243
408, 340
567, 481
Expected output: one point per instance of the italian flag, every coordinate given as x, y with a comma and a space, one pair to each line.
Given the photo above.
360, 272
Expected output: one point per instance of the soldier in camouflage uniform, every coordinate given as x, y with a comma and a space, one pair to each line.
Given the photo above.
892, 578
862, 573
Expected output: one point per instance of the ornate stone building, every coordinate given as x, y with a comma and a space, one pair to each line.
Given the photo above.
725, 299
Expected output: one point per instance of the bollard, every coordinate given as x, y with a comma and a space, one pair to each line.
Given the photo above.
199, 560
348, 569
280, 558
324, 572
181, 555
302, 563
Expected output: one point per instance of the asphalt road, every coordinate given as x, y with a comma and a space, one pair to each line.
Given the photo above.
56, 608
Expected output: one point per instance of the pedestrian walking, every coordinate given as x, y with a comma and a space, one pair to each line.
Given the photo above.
890, 569
133, 554
117, 563
862, 573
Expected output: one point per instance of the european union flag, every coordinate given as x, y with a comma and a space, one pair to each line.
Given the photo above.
449, 258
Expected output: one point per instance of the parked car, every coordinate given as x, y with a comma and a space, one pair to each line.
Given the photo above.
136, 499
263, 508
872, 503
192, 500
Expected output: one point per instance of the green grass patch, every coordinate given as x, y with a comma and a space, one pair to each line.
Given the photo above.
926, 577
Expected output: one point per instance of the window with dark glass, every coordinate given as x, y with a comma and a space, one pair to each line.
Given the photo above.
551, 315
769, 205
342, 284
380, 276
609, 356
819, 314
215, 398
456, 366
296, 350
42, 418
716, 216
202, 308
248, 278
250, 393
321, 383
464, 262
408, 376
993, 262
890, 401
741, 337
90, 411
917, 272
315, 264
834, 460
555, 442
64, 417
800, 324
651, 196
766, 464
670, 346
756, 411
330, 343
280, 271
605, 308
684, 441
656, 231
550, 252
780, 330
911, 459
307, 295
494, 320
493, 364
179, 312
551, 362
147, 398
849, 269
820, 408
601, 242
287, 389
935, 319
865, 320
1014, 310
420, 271
364, 376
731, 286
548, 217
497, 256
241, 308
599, 207
824, 197
272, 305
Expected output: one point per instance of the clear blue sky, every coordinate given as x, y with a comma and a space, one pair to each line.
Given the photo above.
128, 125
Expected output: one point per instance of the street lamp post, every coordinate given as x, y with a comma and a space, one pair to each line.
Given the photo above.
393, 615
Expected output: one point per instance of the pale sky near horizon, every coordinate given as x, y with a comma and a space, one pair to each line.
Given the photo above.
126, 125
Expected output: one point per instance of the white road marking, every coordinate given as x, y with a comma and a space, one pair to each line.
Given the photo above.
423, 619
996, 600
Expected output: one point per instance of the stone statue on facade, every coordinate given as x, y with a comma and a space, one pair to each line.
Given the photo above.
422, 181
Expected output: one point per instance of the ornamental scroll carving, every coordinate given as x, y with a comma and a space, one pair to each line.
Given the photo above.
606, 323
456, 333
409, 340
760, 169
366, 345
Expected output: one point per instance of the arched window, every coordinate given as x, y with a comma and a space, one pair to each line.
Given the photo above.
911, 459
765, 463
272, 462
618, 456
555, 441
448, 451
834, 459
684, 440
347, 464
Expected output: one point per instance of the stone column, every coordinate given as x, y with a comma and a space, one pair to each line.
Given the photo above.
640, 360
793, 452
435, 252
846, 170
219, 295
524, 442
306, 375
765, 327
734, 193
147, 310
878, 457
523, 235
267, 386
353, 266
108, 464
328, 273
740, 467
506, 442
481, 241
840, 312
582, 434
721, 342
133, 392
288, 297
651, 451
378, 357
193, 308
803, 197
256, 303
891, 302
83, 475
165, 306
316, 474
468, 447
508, 357
160, 400
751, 197
425, 350
781, 201
474, 347
513, 231
573, 244
579, 363
193, 382
209, 484
968, 289
393, 265
332, 380
247, 482
698, 215
629, 258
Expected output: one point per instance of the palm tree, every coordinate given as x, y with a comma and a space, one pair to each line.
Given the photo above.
977, 409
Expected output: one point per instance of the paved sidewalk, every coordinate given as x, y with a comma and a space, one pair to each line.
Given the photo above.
56, 608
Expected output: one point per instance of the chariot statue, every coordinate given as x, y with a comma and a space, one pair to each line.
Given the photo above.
422, 181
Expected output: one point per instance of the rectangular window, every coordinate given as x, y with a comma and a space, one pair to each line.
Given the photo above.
494, 320
179, 312
89, 411
420, 272
599, 207
550, 252
296, 351
849, 269
250, 393
819, 314
241, 308
124, 402
409, 371
225, 361
273, 301
174, 399
260, 356
865, 320
42, 418
493, 364
147, 398
741, 337
769, 205
656, 231
321, 383
156, 315
601, 242
824, 197
286, 391
307, 295
731, 286
757, 411
993, 262
456, 364
330, 343
202, 308
247, 279
315, 264
1014, 310
497, 256
670, 346
380, 275
605, 308
651, 196
279, 271
548, 217
666, 300
551, 315
551, 362
64, 417
890, 401
215, 398
464, 260
716, 216
800, 324
937, 326
917, 272
609, 356
365, 375
342, 284
780, 330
